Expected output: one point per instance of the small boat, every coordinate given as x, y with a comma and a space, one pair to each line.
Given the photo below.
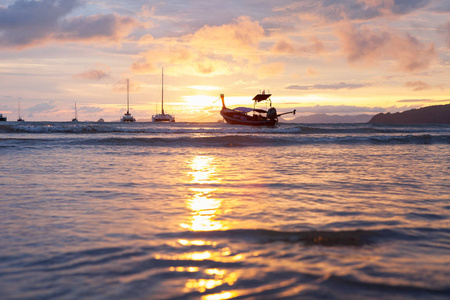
259, 117
128, 117
20, 117
2, 118
162, 117
76, 114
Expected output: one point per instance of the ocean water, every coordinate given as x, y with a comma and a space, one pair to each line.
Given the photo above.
214, 211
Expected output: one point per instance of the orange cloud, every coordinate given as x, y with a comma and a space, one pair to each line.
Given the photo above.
311, 72
210, 50
238, 40
370, 47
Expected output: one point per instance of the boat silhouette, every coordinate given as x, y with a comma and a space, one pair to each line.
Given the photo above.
259, 117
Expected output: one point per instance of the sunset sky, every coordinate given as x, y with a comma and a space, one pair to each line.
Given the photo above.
316, 56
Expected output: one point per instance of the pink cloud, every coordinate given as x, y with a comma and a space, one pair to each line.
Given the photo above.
366, 46
143, 65
286, 46
418, 85
93, 74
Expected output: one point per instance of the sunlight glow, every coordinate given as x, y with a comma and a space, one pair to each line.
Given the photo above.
204, 87
200, 100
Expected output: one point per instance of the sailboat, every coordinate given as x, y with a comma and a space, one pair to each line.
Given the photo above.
260, 117
128, 117
20, 118
162, 117
76, 114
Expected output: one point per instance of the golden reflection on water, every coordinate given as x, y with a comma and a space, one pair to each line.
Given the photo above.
204, 207
204, 212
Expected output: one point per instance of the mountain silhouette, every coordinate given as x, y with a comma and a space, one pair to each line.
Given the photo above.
436, 114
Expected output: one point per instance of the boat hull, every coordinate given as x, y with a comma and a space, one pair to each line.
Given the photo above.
163, 118
244, 119
128, 120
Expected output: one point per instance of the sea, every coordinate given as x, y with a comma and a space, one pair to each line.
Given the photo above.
216, 211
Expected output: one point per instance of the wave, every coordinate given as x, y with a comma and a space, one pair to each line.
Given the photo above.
314, 237
250, 263
212, 128
227, 141
144, 128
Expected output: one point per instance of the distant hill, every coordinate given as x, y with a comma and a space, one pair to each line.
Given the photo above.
436, 114
324, 118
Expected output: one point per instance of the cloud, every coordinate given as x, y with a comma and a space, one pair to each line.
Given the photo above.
209, 50
418, 85
94, 74
444, 30
387, 7
29, 23
440, 7
331, 11
311, 72
366, 46
243, 33
285, 46
110, 27
143, 65
338, 86
121, 86
90, 109
40, 108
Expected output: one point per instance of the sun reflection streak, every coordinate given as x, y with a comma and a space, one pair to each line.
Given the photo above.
204, 208
221, 296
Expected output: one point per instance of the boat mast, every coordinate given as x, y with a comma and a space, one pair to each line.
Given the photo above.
128, 96
162, 91
76, 115
19, 109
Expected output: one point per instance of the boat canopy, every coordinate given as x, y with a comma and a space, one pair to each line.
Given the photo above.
261, 97
248, 109
243, 109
